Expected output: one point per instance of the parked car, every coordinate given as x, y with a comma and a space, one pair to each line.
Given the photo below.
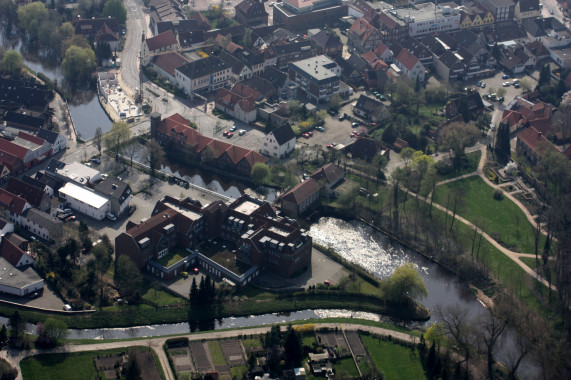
305, 135
184, 274
195, 270
329, 146
506, 84
110, 216
332, 112
132, 209
342, 117
70, 218
225, 133
320, 129
354, 124
483, 85
479, 83
233, 129
505, 76
242, 132
96, 161
230, 134
516, 85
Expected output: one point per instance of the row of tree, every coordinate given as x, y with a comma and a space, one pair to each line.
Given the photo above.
203, 294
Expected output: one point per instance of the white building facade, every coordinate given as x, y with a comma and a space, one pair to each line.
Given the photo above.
85, 200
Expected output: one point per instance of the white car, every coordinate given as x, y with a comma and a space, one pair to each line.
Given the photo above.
242, 132
110, 216
506, 84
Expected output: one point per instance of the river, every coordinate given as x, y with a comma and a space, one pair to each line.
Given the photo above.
86, 112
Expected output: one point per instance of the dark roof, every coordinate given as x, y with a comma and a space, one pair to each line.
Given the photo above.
265, 87
365, 148
186, 39
235, 64
326, 40
29, 94
283, 134
247, 7
274, 75
47, 180
368, 105
357, 62
54, 165
23, 119
302, 191
12, 202
449, 59
203, 67
30, 193
49, 136
331, 172
33, 182
292, 48
44, 219
90, 26
528, 5
161, 40
113, 187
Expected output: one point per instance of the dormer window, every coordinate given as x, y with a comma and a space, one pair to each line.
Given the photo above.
144, 242
169, 228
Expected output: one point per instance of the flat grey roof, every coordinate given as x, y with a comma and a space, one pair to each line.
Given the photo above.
15, 278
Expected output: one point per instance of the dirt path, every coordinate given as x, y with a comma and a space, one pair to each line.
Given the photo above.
15, 357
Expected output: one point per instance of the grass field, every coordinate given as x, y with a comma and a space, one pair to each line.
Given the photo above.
251, 342
307, 340
216, 353
239, 372
346, 367
69, 366
172, 258
159, 296
530, 262
395, 361
472, 166
501, 219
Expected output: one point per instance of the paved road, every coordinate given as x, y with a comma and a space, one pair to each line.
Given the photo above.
14, 357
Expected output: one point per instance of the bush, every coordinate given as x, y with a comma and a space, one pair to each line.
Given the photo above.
443, 167
498, 194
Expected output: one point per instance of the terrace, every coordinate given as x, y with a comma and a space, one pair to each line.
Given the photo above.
173, 257
224, 254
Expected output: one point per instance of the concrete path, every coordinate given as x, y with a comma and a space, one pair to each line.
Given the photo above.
14, 357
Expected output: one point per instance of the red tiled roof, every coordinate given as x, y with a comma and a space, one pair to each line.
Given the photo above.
407, 59
302, 191
13, 149
231, 47
12, 202
362, 28
533, 139
380, 49
31, 138
512, 117
379, 65
170, 61
386, 20
369, 56
245, 91
161, 40
11, 252
31, 194
229, 99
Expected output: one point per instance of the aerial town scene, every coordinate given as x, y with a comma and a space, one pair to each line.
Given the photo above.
287, 189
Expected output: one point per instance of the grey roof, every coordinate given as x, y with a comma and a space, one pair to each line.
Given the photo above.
369, 105
326, 40
449, 59
283, 134
292, 48
318, 68
15, 278
528, 5
235, 64
114, 188
357, 62
49, 136
203, 67
53, 165
43, 219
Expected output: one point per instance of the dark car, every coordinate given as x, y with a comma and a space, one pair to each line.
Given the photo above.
342, 117
332, 112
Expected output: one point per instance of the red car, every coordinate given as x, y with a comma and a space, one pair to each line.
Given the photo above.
195, 270
305, 135
310, 133
330, 146
70, 218
230, 134
225, 133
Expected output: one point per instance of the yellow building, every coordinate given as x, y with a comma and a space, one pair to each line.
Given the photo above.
527, 9
475, 16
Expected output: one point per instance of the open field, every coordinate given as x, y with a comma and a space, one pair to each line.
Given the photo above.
346, 367
395, 361
501, 219
473, 159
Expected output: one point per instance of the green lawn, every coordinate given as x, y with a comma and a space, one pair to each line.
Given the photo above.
395, 361
159, 296
239, 372
346, 367
172, 258
247, 343
307, 340
471, 166
530, 262
69, 366
503, 219
216, 353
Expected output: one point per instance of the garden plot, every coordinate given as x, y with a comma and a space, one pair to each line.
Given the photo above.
233, 352
333, 339
149, 370
355, 342
201, 361
181, 359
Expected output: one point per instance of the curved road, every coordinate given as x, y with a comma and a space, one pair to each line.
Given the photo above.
15, 356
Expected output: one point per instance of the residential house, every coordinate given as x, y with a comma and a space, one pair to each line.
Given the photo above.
329, 176
516, 61
42, 224
383, 52
531, 143
278, 79
28, 148
35, 196
49, 190
536, 51
251, 12
85, 200
105, 35
166, 64
25, 94
527, 9
327, 43
370, 109
57, 140
263, 87
317, 78
364, 36
239, 70
475, 15
293, 52
527, 110
26, 119
6, 227
17, 277
428, 18
450, 66
118, 192
160, 43
366, 149
391, 27
202, 76
99, 30
279, 142
472, 103
361, 9
410, 65
302, 198
10, 163
235, 105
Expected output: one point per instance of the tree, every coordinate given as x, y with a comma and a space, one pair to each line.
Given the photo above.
405, 284
115, 139
455, 137
503, 149
133, 367
501, 92
497, 53
131, 151
3, 337
55, 330
525, 85
30, 17
491, 328
127, 276
115, 8
292, 348
16, 325
66, 31
12, 62
544, 76
98, 139
483, 122
247, 40
193, 295
335, 102
260, 172
78, 65
154, 156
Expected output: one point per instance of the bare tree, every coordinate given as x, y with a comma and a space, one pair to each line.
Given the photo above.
98, 139
491, 331
154, 155
131, 150
459, 328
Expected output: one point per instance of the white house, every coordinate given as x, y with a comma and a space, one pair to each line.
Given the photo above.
410, 65
17, 282
205, 75
85, 200
527, 9
279, 142
58, 141
237, 106
163, 42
